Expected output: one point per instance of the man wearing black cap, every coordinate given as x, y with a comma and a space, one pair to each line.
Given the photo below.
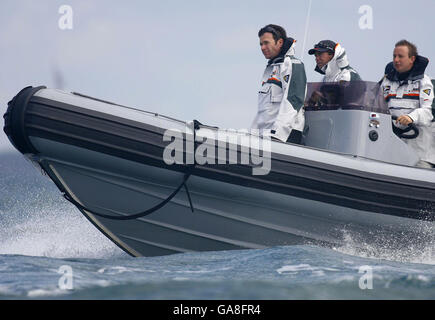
283, 88
332, 62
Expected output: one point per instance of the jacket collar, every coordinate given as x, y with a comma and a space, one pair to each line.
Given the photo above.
287, 49
416, 72
321, 70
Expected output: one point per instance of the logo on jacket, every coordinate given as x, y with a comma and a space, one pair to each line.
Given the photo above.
427, 91
387, 89
286, 78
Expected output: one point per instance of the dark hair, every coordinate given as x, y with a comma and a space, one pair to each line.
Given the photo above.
412, 49
278, 32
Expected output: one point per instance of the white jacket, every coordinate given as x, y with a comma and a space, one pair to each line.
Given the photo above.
413, 96
338, 68
282, 95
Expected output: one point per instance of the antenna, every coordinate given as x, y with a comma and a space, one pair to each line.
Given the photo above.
307, 23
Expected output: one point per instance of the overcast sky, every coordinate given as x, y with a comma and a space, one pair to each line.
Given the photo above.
191, 59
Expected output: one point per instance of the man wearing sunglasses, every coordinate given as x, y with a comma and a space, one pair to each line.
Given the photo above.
283, 88
332, 62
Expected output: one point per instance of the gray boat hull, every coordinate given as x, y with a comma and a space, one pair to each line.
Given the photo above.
310, 196
225, 216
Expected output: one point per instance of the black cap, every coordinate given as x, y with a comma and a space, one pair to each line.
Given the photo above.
323, 46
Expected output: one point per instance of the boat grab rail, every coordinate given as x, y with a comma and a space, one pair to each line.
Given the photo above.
187, 174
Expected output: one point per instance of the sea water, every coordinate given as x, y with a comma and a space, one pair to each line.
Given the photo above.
48, 250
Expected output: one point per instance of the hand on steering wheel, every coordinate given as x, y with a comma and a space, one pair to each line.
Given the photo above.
404, 120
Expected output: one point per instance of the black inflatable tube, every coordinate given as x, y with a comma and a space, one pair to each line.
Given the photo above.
15, 117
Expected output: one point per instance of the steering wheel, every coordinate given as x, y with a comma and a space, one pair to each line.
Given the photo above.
401, 133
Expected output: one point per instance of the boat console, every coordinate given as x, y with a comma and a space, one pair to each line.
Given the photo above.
353, 118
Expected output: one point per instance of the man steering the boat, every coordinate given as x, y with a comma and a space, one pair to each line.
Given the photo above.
283, 88
409, 94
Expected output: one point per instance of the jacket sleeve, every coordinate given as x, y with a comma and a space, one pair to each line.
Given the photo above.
423, 115
294, 83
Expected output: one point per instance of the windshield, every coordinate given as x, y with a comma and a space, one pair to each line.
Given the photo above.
353, 95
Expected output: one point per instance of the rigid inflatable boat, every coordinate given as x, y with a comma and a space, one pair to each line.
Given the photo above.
155, 185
